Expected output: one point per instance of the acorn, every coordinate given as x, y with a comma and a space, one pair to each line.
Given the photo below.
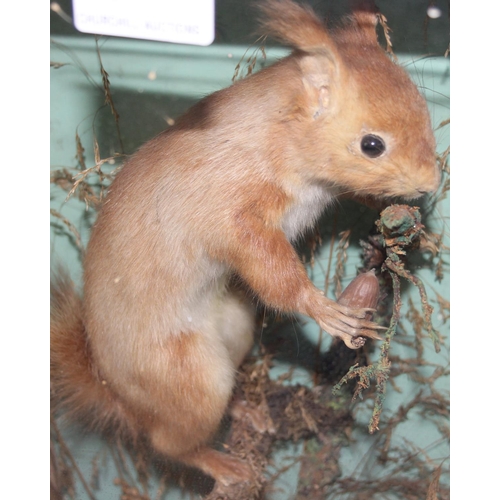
362, 292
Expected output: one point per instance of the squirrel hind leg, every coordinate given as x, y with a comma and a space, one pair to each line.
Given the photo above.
224, 468
235, 325
196, 399
186, 443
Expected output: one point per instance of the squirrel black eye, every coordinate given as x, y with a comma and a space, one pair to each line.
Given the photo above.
372, 146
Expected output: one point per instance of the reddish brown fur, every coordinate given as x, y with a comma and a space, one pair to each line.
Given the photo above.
75, 381
155, 345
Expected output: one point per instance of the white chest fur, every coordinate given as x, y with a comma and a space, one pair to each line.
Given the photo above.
308, 205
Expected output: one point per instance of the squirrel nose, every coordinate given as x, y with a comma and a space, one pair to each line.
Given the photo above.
431, 185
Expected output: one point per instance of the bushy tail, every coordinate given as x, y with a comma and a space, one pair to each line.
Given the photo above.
77, 393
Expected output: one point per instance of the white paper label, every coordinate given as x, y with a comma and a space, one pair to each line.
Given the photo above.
178, 21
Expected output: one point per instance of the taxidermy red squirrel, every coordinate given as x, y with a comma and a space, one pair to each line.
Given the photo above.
153, 346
